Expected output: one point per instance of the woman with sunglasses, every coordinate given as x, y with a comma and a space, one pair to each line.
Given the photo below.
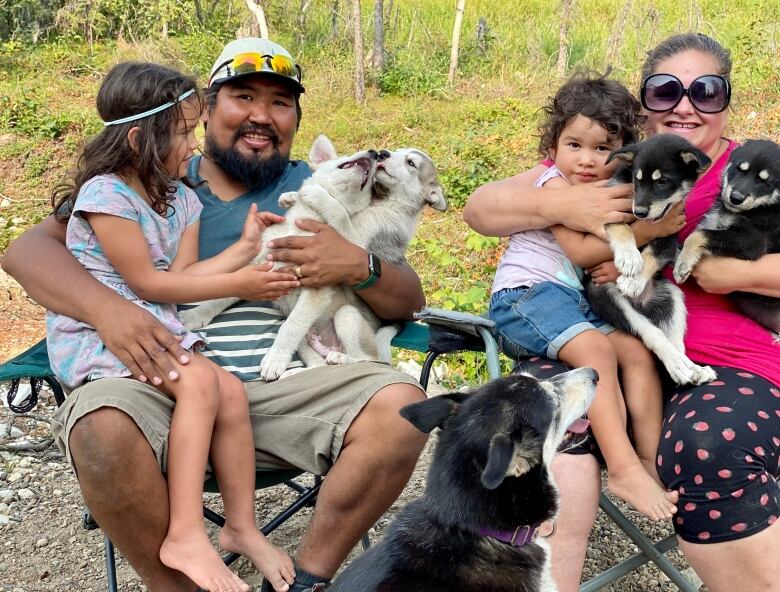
720, 442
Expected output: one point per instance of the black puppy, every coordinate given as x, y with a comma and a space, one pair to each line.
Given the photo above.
489, 492
642, 302
744, 223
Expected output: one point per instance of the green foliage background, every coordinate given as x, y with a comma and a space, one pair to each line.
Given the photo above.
53, 55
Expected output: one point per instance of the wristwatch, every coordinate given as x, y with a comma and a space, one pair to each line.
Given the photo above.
374, 273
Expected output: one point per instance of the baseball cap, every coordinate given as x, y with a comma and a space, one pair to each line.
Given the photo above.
253, 55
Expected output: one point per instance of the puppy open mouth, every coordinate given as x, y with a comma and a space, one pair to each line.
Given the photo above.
579, 426
364, 163
658, 218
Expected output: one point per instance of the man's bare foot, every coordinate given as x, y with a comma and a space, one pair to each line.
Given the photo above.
193, 555
640, 490
275, 565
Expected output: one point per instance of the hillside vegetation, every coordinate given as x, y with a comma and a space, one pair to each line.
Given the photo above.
479, 129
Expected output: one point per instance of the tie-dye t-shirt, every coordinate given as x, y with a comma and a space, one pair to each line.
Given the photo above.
76, 353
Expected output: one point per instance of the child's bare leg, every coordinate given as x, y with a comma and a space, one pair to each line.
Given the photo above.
627, 477
187, 547
233, 458
643, 395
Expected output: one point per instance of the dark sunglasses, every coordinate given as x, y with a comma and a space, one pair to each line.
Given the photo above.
663, 92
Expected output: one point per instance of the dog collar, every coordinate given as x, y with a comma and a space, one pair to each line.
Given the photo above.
520, 536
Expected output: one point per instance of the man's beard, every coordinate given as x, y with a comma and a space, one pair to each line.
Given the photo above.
252, 172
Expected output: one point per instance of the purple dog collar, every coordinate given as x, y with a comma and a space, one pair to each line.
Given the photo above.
520, 536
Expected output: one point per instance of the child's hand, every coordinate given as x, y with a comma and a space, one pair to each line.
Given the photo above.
254, 225
258, 282
671, 223
603, 273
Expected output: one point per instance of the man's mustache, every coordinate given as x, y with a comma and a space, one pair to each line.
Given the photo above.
251, 128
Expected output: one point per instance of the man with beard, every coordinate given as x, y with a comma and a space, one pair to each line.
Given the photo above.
324, 420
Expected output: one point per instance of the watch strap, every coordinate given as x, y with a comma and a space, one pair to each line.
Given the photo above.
372, 278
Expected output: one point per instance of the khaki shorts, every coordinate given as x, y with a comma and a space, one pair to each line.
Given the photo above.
299, 421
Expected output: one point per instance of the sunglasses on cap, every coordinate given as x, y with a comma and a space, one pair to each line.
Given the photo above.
251, 63
663, 92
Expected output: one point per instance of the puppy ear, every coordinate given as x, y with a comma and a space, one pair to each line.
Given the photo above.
434, 412
436, 198
321, 151
626, 154
502, 449
695, 157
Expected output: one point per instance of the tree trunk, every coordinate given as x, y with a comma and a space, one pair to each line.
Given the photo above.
456, 40
255, 8
379, 38
302, 22
334, 19
360, 79
563, 36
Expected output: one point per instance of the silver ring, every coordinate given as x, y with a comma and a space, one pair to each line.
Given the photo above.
298, 271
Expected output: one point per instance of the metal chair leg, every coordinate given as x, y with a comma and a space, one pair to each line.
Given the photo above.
110, 564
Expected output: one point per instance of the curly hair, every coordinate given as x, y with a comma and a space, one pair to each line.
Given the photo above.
130, 88
605, 101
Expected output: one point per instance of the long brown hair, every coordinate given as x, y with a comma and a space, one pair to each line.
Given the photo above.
128, 89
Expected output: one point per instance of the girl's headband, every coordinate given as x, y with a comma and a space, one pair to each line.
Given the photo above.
150, 111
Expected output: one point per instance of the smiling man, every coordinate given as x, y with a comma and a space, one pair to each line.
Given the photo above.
324, 420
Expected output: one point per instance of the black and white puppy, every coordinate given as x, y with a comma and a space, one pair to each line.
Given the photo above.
744, 223
489, 492
643, 302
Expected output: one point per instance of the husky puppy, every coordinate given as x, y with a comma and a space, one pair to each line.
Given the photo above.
744, 223
643, 302
348, 180
490, 497
404, 183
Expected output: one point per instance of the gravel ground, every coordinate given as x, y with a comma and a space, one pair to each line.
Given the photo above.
44, 547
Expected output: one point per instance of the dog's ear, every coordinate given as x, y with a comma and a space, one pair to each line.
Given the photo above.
694, 156
434, 412
321, 151
436, 198
500, 462
626, 154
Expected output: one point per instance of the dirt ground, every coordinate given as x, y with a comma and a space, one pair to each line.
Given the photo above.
44, 547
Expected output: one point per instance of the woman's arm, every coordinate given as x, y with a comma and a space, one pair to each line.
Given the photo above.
126, 248
512, 205
721, 275
41, 263
328, 259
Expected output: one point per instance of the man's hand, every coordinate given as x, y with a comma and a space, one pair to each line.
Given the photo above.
603, 273
592, 205
323, 259
140, 341
258, 282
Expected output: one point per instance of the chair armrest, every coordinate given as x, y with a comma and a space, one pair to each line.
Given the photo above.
459, 321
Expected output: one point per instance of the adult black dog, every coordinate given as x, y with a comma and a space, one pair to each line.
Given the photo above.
489, 493
744, 223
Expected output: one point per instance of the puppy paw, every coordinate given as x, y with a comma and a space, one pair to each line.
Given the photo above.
288, 199
192, 319
628, 261
682, 370
631, 285
703, 375
682, 270
273, 366
336, 358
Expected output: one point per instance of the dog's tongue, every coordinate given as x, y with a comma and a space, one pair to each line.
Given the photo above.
578, 426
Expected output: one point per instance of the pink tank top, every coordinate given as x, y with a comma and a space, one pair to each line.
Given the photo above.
718, 334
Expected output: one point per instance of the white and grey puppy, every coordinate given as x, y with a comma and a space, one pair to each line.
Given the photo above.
404, 183
347, 183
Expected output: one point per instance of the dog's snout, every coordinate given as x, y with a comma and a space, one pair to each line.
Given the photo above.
737, 198
595, 377
641, 212
383, 154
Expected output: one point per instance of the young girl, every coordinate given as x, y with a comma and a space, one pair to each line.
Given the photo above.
134, 226
540, 308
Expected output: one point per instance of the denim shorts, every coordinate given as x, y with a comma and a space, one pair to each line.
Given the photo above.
540, 320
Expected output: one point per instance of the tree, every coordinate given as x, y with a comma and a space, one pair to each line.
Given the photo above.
456, 40
360, 78
255, 8
378, 61
563, 36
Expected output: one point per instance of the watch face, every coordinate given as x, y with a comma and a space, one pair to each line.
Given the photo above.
374, 265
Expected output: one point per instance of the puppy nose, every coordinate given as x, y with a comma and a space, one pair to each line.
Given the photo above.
373, 154
641, 212
595, 376
737, 198
384, 154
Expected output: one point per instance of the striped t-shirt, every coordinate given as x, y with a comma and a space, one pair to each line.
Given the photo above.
238, 338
